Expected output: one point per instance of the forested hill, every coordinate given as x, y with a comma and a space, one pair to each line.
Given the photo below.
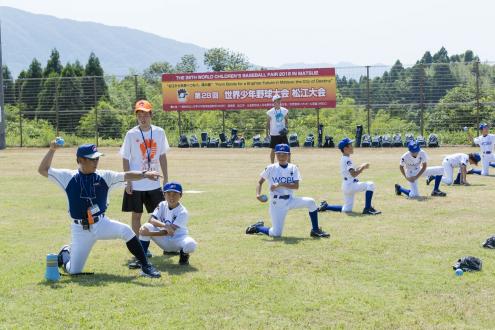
26, 36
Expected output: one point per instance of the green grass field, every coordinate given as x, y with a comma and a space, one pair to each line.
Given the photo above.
389, 271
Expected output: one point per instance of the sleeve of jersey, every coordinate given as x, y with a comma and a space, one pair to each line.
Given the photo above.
157, 212
60, 177
402, 162
297, 174
424, 158
125, 150
182, 219
349, 165
113, 179
265, 174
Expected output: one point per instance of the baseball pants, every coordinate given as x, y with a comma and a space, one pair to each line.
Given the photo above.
83, 240
448, 173
485, 163
350, 189
280, 207
430, 171
170, 243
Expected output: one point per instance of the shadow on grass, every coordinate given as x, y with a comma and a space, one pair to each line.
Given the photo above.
165, 265
288, 239
99, 279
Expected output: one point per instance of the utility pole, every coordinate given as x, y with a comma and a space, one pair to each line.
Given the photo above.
3, 124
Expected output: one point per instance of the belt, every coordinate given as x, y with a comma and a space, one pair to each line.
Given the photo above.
353, 180
96, 219
487, 152
281, 196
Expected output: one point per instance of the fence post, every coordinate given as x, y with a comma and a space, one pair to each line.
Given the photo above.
56, 115
317, 119
135, 91
368, 101
180, 124
421, 97
223, 121
478, 105
20, 123
95, 100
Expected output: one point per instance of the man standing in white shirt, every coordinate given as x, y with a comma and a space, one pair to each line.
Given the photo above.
276, 125
144, 149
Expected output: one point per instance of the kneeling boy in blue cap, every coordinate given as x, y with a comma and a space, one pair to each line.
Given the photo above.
167, 226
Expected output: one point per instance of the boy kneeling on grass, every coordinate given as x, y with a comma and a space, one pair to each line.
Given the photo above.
167, 226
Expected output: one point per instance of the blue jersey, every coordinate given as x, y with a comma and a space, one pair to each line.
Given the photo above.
86, 190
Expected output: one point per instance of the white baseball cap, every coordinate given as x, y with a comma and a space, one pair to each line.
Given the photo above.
276, 97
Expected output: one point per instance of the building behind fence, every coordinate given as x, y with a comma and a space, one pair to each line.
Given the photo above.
421, 99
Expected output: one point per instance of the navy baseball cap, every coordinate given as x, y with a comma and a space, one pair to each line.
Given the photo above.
413, 146
172, 186
282, 149
88, 151
344, 142
477, 157
484, 125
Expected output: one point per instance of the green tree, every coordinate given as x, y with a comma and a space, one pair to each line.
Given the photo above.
187, 64
110, 123
30, 87
221, 59
8, 86
94, 85
70, 97
153, 73
53, 65
47, 100
427, 58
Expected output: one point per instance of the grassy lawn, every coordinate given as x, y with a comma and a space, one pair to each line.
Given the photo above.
389, 271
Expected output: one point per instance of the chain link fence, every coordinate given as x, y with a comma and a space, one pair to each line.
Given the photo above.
420, 99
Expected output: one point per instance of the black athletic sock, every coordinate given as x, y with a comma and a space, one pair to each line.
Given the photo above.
136, 249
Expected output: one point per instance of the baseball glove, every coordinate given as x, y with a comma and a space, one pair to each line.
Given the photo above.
283, 131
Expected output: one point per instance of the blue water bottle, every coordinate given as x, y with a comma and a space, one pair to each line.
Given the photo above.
52, 273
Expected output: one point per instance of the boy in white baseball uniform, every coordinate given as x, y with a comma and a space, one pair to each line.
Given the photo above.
167, 226
486, 141
413, 164
453, 161
350, 183
283, 178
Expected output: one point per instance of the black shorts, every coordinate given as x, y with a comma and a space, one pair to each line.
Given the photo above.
134, 202
278, 139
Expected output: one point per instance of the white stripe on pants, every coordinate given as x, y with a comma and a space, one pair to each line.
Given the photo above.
83, 240
170, 243
280, 207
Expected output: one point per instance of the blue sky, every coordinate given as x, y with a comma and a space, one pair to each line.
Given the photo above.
272, 33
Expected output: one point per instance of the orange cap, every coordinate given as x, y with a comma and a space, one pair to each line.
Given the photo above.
143, 105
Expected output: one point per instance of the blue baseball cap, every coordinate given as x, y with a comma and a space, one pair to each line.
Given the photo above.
413, 146
477, 157
282, 149
484, 125
344, 142
88, 151
172, 186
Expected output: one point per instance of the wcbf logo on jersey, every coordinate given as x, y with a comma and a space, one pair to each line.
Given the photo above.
486, 143
283, 179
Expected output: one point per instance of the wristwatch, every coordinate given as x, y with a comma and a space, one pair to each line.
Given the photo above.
143, 173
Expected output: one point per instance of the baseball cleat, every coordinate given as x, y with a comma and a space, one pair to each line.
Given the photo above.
430, 179
371, 211
253, 229
150, 271
438, 193
148, 254
319, 233
63, 256
134, 264
184, 258
323, 206
397, 189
